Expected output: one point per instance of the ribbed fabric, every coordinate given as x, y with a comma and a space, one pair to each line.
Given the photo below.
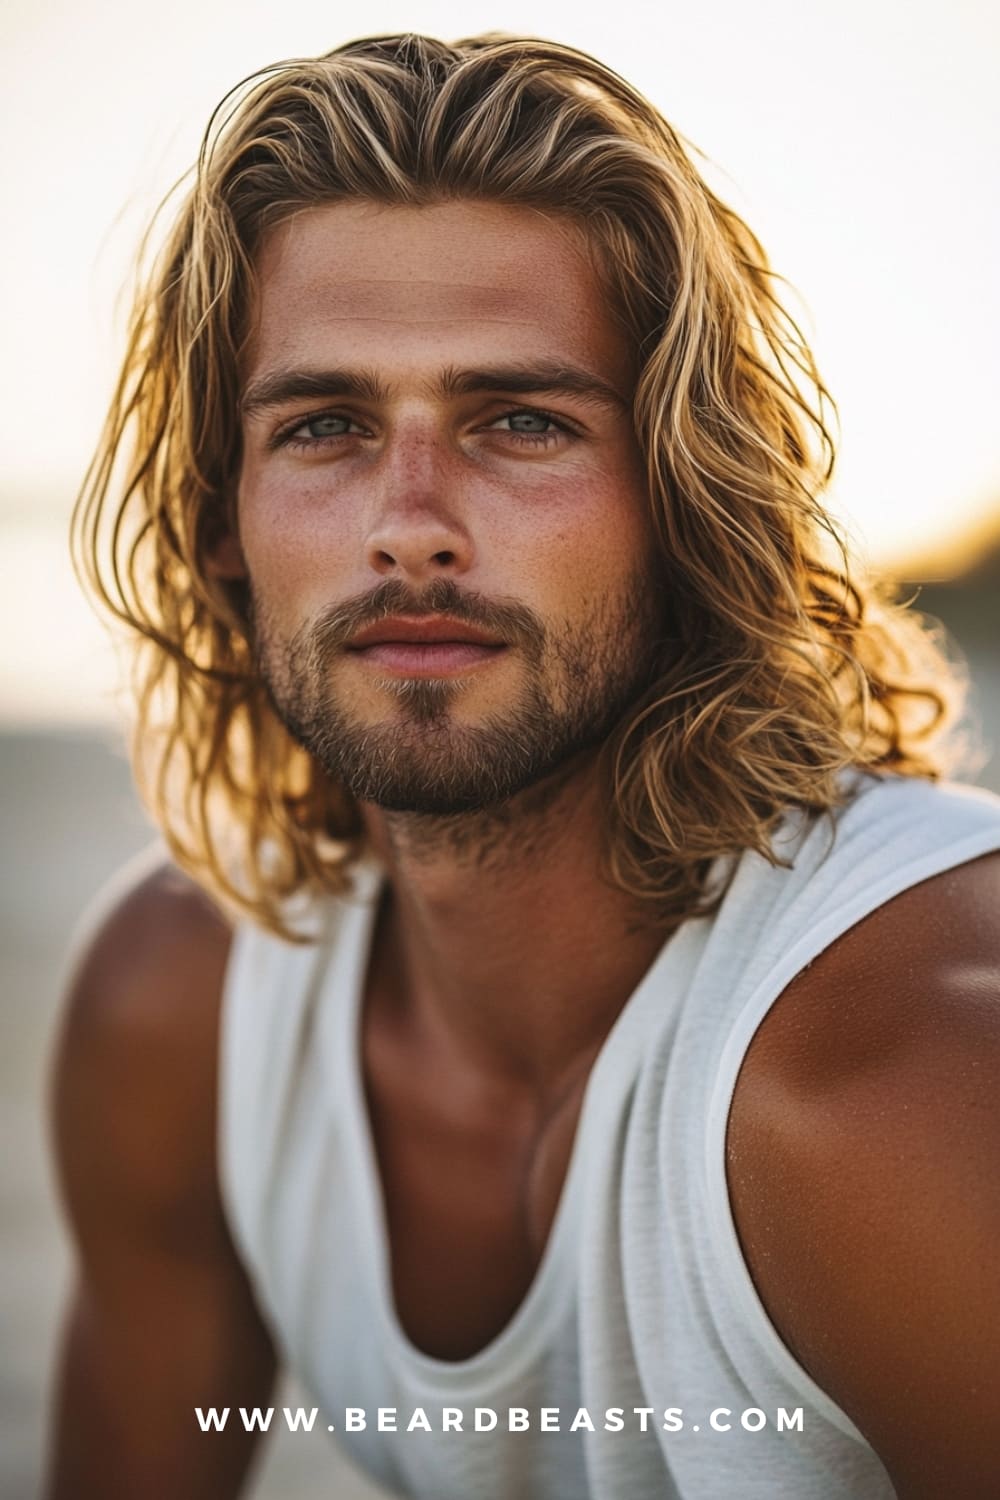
642, 1298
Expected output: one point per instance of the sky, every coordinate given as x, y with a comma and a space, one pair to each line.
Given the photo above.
859, 140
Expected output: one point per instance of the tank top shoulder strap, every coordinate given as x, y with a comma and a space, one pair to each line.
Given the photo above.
267, 994
271, 991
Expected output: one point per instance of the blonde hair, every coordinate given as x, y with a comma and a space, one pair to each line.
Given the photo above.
789, 666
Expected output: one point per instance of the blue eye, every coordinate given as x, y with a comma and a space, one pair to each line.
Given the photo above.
315, 431
329, 426
528, 416
534, 428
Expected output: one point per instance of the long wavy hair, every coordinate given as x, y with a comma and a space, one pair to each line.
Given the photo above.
789, 666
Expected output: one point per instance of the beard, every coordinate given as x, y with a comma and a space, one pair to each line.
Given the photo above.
575, 687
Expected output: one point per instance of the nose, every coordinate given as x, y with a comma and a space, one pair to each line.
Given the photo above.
418, 527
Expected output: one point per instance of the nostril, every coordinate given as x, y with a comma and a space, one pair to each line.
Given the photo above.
444, 557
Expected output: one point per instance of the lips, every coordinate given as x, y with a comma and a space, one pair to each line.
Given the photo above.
431, 646
432, 630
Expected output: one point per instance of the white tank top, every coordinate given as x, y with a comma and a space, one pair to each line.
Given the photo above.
642, 1298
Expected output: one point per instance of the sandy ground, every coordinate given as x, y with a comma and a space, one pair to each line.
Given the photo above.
67, 820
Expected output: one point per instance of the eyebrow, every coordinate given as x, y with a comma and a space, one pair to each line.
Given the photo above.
546, 377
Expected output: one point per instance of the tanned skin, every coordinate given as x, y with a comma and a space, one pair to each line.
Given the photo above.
162, 1319
865, 1128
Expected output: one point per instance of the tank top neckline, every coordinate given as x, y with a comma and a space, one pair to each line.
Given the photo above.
550, 1295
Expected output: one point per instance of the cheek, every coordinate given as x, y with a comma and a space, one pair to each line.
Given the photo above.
588, 537
294, 543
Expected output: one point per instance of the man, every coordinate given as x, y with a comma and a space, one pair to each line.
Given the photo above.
525, 1039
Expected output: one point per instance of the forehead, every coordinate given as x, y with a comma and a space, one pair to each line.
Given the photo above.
384, 280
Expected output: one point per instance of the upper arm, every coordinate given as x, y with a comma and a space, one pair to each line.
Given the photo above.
162, 1319
864, 1170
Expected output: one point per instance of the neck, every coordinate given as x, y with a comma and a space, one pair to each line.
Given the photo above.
501, 940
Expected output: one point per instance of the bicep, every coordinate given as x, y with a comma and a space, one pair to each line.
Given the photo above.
162, 1318
864, 1173
892, 1294
136, 1362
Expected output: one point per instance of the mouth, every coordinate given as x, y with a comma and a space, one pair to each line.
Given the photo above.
431, 647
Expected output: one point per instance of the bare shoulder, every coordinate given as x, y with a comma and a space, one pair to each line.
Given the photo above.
134, 1084
159, 920
863, 1160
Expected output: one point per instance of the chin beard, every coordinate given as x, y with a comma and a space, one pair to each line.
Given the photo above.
420, 759
427, 764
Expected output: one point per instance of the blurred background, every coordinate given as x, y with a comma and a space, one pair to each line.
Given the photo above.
859, 139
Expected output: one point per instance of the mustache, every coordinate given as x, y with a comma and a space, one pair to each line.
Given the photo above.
511, 622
